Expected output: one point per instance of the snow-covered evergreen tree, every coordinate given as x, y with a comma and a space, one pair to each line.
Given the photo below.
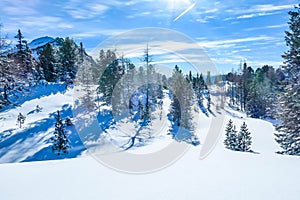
244, 139
68, 58
61, 143
237, 141
289, 100
182, 97
25, 65
230, 141
147, 59
20, 42
48, 63
109, 73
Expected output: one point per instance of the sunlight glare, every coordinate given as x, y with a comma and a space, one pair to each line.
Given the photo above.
175, 5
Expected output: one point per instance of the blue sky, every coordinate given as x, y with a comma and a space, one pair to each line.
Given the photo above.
229, 32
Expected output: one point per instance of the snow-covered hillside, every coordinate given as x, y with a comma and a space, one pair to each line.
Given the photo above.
31, 142
224, 174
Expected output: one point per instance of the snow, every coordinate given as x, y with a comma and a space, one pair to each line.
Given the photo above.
223, 174
31, 141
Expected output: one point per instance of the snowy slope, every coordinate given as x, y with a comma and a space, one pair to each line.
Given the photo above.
31, 141
222, 175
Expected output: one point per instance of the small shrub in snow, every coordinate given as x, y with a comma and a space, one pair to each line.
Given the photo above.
21, 119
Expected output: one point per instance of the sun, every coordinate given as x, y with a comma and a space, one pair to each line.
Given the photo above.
177, 5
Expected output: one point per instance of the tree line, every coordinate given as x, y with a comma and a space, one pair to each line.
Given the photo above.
275, 94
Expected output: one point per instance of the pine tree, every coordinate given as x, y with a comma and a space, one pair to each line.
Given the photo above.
230, 141
61, 144
182, 96
198, 86
67, 57
20, 43
147, 59
109, 74
289, 100
47, 62
25, 63
244, 139
208, 79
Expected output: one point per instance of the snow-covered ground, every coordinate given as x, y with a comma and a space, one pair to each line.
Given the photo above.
224, 174
31, 142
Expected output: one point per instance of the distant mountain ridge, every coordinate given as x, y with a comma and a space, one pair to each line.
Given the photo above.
38, 43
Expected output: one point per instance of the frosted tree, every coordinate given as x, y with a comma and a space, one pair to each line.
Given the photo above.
198, 86
147, 59
230, 141
61, 144
237, 141
182, 96
289, 100
244, 139
110, 74
4, 42
25, 64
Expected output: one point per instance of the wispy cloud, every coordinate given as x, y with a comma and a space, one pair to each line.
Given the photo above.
94, 33
260, 8
40, 23
139, 14
19, 7
77, 10
267, 27
205, 19
257, 11
270, 7
247, 16
213, 10
232, 42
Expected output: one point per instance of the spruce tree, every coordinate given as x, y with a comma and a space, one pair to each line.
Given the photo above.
20, 43
67, 57
47, 62
182, 96
23, 59
147, 59
230, 141
109, 72
61, 144
289, 99
244, 139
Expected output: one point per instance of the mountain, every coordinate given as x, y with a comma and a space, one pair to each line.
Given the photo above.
39, 43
